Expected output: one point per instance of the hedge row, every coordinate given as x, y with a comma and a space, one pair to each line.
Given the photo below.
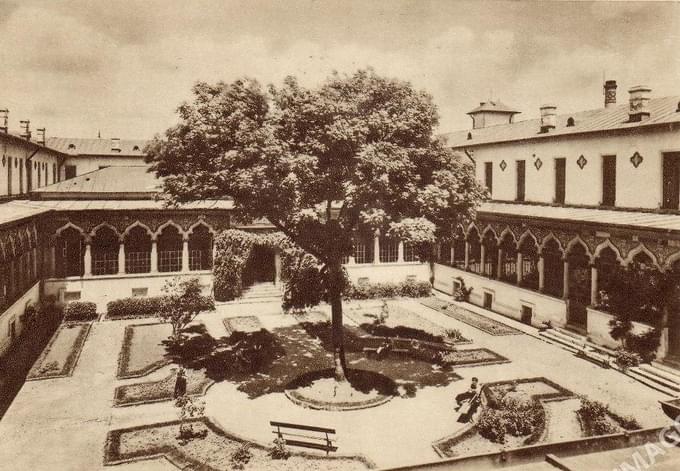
144, 307
80, 311
409, 289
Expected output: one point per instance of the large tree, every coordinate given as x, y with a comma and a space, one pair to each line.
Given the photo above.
318, 163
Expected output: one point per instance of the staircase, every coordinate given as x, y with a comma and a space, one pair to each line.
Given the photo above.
261, 292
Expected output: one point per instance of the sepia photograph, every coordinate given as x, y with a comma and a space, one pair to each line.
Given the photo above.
339, 235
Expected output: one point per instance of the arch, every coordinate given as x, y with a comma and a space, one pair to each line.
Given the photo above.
472, 226
572, 245
607, 244
547, 239
524, 236
138, 241
70, 251
641, 249
105, 246
67, 226
504, 233
671, 260
170, 223
103, 225
200, 246
170, 245
140, 225
487, 229
198, 223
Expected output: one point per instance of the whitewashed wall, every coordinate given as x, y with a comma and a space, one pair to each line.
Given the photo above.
13, 313
388, 272
85, 163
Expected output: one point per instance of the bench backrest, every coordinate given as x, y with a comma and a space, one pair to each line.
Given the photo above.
302, 427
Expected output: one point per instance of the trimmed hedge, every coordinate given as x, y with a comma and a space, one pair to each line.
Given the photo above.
81, 311
408, 289
144, 307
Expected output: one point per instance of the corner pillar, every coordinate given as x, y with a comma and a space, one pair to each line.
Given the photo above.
565, 280
87, 259
400, 252
594, 288
185, 255
154, 256
121, 258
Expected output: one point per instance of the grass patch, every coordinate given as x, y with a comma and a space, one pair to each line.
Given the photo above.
143, 350
62, 352
213, 452
163, 390
478, 321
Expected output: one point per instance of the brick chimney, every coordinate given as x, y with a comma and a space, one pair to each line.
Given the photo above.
548, 117
115, 144
639, 103
609, 93
4, 120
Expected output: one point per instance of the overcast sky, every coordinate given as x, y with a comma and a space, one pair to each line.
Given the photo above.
123, 67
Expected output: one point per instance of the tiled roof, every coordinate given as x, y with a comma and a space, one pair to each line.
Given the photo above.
123, 179
122, 205
662, 110
603, 217
496, 106
17, 210
80, 146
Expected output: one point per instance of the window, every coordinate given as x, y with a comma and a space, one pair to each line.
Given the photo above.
137, 262
70, 171
104, 263
560, 180
169, 260
608, 180
488, 176
54, 173
389, 250
671, 180
570, 122
410, 253
140, 292
521, 168
71, 296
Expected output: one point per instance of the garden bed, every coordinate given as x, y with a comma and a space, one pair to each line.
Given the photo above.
404, 323
61, 354
478, 321
213, 452
163, 390
242, 324
143, 350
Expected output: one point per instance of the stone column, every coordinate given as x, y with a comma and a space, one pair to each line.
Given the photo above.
87, 259
277, 267
53, 261
121, 258
376, 247
518, 269
35, 264
501, 263
452, 254
467, 255
154, 256
541, 273
593, 285
400, 252
185, 255
565, 280
482, 259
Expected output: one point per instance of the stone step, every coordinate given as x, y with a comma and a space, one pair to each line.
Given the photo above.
668, 364
669, 374
553, 337
651, 381
659, 376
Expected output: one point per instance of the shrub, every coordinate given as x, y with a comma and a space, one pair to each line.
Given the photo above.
410, 288
454, 335
594, 416
279, 450
462, 293
80, 311
144, 307
625, 359
241, 457
644, 345
491, 425
511, 416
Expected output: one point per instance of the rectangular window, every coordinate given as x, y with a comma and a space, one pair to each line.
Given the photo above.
410, 253
200, 259
140, 292
71, 296
389, 250
488, 177
671, 180
170, 260
521, 169
54, 173
137, 262
70, 171
608, 180
560, 180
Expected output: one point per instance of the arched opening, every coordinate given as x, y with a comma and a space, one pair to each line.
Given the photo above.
459, 249
70, 251
169, 250
579, 286
137, 251
260, 267
490, 255
389, 249
105, 245
553, 268
607, 266
508, 269
200, 248
529, 250
474, 251
643, 260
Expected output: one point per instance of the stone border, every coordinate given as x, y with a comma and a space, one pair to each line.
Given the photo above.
71, 360
124, 356
230, 329
437, 306
460, 436
174, 455
118, 401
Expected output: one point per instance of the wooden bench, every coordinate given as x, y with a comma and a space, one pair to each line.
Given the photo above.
321, 441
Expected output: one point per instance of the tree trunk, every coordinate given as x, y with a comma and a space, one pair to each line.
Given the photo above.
335, 278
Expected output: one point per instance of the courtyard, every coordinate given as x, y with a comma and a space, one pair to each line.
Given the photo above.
121, 381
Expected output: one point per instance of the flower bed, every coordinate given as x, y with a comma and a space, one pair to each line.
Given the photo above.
62, 352
403, 323
242, 324
163, 390
479, 321
213, 452
143, 350
519, 422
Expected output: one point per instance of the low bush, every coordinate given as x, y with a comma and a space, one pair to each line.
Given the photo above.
511, 416
143, 307
462, 293
625, 359
410, 289
279, 451
80, 311
241, 457
594, 417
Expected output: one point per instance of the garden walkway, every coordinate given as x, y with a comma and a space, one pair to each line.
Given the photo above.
62, 423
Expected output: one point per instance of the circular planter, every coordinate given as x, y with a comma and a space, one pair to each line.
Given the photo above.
363, 389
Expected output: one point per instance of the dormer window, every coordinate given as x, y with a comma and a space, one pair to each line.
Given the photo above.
71, 147
570, 122
135, 148
469, 136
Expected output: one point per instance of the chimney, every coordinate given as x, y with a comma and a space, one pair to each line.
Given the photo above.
639, 100
115, 144
609, 93
4, 118
26, 126
41, 136
548, 117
